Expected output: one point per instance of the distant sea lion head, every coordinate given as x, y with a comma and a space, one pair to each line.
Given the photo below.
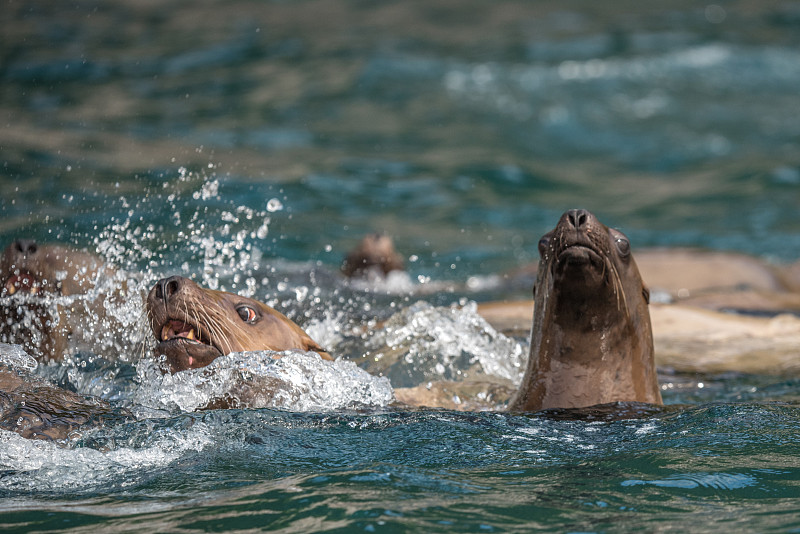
591, 340
374, 255
28, 267
194, 325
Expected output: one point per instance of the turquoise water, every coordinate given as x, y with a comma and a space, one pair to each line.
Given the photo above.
250, 144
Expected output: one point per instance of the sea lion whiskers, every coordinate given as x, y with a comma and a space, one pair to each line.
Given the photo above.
618, 287
214, 320
206, 326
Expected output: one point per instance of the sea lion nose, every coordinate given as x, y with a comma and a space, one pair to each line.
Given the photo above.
25, 246
578, 218
167, 287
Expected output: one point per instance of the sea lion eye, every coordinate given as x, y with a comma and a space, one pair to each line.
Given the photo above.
247, 314
623, 246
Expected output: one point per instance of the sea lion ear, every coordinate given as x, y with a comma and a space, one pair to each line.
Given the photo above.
646, 294
544, 243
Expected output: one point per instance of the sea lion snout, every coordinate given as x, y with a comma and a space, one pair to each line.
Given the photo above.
576, 241
25, 246
166, 288
577, 218
18, 260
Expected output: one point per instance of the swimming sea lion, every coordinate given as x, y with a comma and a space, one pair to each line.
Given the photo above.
374, 256
194, 325
36, 409
591, 340
33, 277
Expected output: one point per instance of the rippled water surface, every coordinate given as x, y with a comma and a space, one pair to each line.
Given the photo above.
248, 145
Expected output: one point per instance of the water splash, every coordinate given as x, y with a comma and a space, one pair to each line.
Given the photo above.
15, 357
211, 237
32, 465
424, 342
262, 379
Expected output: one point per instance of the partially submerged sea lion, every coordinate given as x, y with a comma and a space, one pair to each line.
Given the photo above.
194, 325
375, 256
33, 278
591, 341
36, 409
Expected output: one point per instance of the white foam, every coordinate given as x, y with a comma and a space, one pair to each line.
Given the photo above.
34, 464
298, 381
16, 357
445, 342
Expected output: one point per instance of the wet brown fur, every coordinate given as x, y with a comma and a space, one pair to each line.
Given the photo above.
36, 409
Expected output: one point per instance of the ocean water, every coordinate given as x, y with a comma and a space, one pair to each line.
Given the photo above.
249, 145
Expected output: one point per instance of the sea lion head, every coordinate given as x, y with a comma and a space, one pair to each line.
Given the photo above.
584, 259
374, 255
591, 340
194, 325
28, 267
33, 277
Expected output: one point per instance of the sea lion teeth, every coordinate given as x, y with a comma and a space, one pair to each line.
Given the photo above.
190, 335
11, 288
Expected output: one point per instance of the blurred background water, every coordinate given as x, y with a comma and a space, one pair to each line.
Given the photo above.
249, 144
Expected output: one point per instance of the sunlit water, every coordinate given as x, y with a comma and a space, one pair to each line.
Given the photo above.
249, 155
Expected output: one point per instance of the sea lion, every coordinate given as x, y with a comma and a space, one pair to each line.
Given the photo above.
374, 257
33, 279
36, 409
591, 340
193, 325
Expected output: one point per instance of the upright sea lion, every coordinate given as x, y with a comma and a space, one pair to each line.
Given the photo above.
33, 277
375, 256
591, 340
194, 325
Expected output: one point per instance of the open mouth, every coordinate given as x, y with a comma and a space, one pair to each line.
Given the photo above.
22, 282
186, 346
176, 330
